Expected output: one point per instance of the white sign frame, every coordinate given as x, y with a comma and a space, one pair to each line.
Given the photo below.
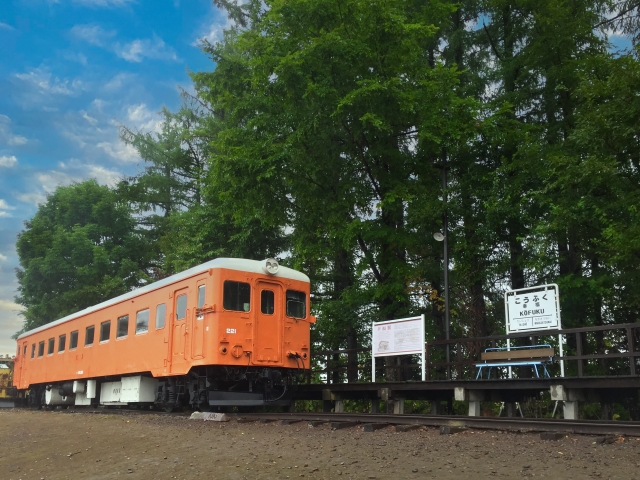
511, 319
394, 352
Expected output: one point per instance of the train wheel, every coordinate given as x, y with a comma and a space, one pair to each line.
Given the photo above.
203, 401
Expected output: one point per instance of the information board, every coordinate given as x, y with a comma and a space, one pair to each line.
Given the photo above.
404, 336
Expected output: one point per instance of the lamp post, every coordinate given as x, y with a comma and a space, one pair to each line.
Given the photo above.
442, 237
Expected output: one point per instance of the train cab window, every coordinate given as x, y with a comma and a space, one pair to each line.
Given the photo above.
24, 350
296, 304
142, 321
88, 336
62, 343
201, 292
105, 331
123, 326
181, 307
267, 300
41, 349
161, 312
73, 340
236, 296
33, 350
52, 342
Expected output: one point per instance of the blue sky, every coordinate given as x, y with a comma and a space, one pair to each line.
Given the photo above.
71, 71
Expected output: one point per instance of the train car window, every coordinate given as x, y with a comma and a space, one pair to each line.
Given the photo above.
105, 331
142, 321
296, 304
88, 336
123, 326
201, 291
161, 312
236, 296
33, 350
52, 342
62, 343
267, 300
181, 307
24, 350
40, 349
73, 340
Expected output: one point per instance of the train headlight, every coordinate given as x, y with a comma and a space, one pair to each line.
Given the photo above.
270, 266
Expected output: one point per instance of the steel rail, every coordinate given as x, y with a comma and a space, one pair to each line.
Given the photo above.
583, 427
519, 424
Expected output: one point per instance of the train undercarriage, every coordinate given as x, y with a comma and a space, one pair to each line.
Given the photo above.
214, 388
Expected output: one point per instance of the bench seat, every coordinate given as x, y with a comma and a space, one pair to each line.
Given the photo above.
533, 356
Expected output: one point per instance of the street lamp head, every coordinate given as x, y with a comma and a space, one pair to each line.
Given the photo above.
438, 236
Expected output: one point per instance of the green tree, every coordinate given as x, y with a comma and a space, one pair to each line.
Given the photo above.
333, 118
79, 249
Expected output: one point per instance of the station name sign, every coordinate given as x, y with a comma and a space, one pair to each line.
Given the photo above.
533, 309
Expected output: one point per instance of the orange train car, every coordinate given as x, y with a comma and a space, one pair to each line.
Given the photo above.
227, 332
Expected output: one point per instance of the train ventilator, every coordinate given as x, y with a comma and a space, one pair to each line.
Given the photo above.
229, 332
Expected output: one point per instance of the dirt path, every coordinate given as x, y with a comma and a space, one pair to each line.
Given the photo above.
60, 445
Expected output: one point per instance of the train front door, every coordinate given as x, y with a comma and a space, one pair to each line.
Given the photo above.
269, 324
179, 329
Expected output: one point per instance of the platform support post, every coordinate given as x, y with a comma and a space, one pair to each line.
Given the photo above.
339, 405
571, 410
398, 406
510, 409
375, 405
436, 407
474, 409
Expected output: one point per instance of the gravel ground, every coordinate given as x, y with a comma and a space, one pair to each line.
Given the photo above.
62, 445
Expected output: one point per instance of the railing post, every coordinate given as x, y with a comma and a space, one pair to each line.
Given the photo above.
427, 361
632, 358
579, 353
459, 360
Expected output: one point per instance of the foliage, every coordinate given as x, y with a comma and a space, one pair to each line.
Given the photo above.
81, 247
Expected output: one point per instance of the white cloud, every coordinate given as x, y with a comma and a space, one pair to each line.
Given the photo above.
9, 305
98, 103
88, 118
33, 198
120, 151
104, 3
150, 48
42, 81
5, 26
7, 136
5, 206
76, 57
213, 31
141, 118
93, 34
118, 81
104, 176
6, 161
3, 258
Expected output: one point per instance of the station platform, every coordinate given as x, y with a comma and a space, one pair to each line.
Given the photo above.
570, 391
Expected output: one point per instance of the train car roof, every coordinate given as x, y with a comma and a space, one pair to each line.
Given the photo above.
242, 264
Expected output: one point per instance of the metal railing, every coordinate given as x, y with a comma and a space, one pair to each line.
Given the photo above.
607, 350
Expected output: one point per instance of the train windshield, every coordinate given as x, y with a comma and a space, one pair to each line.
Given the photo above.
296, 304
236, 296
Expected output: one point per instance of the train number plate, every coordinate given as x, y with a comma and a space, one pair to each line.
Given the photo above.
231, 330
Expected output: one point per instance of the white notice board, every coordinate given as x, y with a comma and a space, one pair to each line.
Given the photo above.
404, 336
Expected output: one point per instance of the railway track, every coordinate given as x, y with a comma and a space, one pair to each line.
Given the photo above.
450, 422
583, 427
